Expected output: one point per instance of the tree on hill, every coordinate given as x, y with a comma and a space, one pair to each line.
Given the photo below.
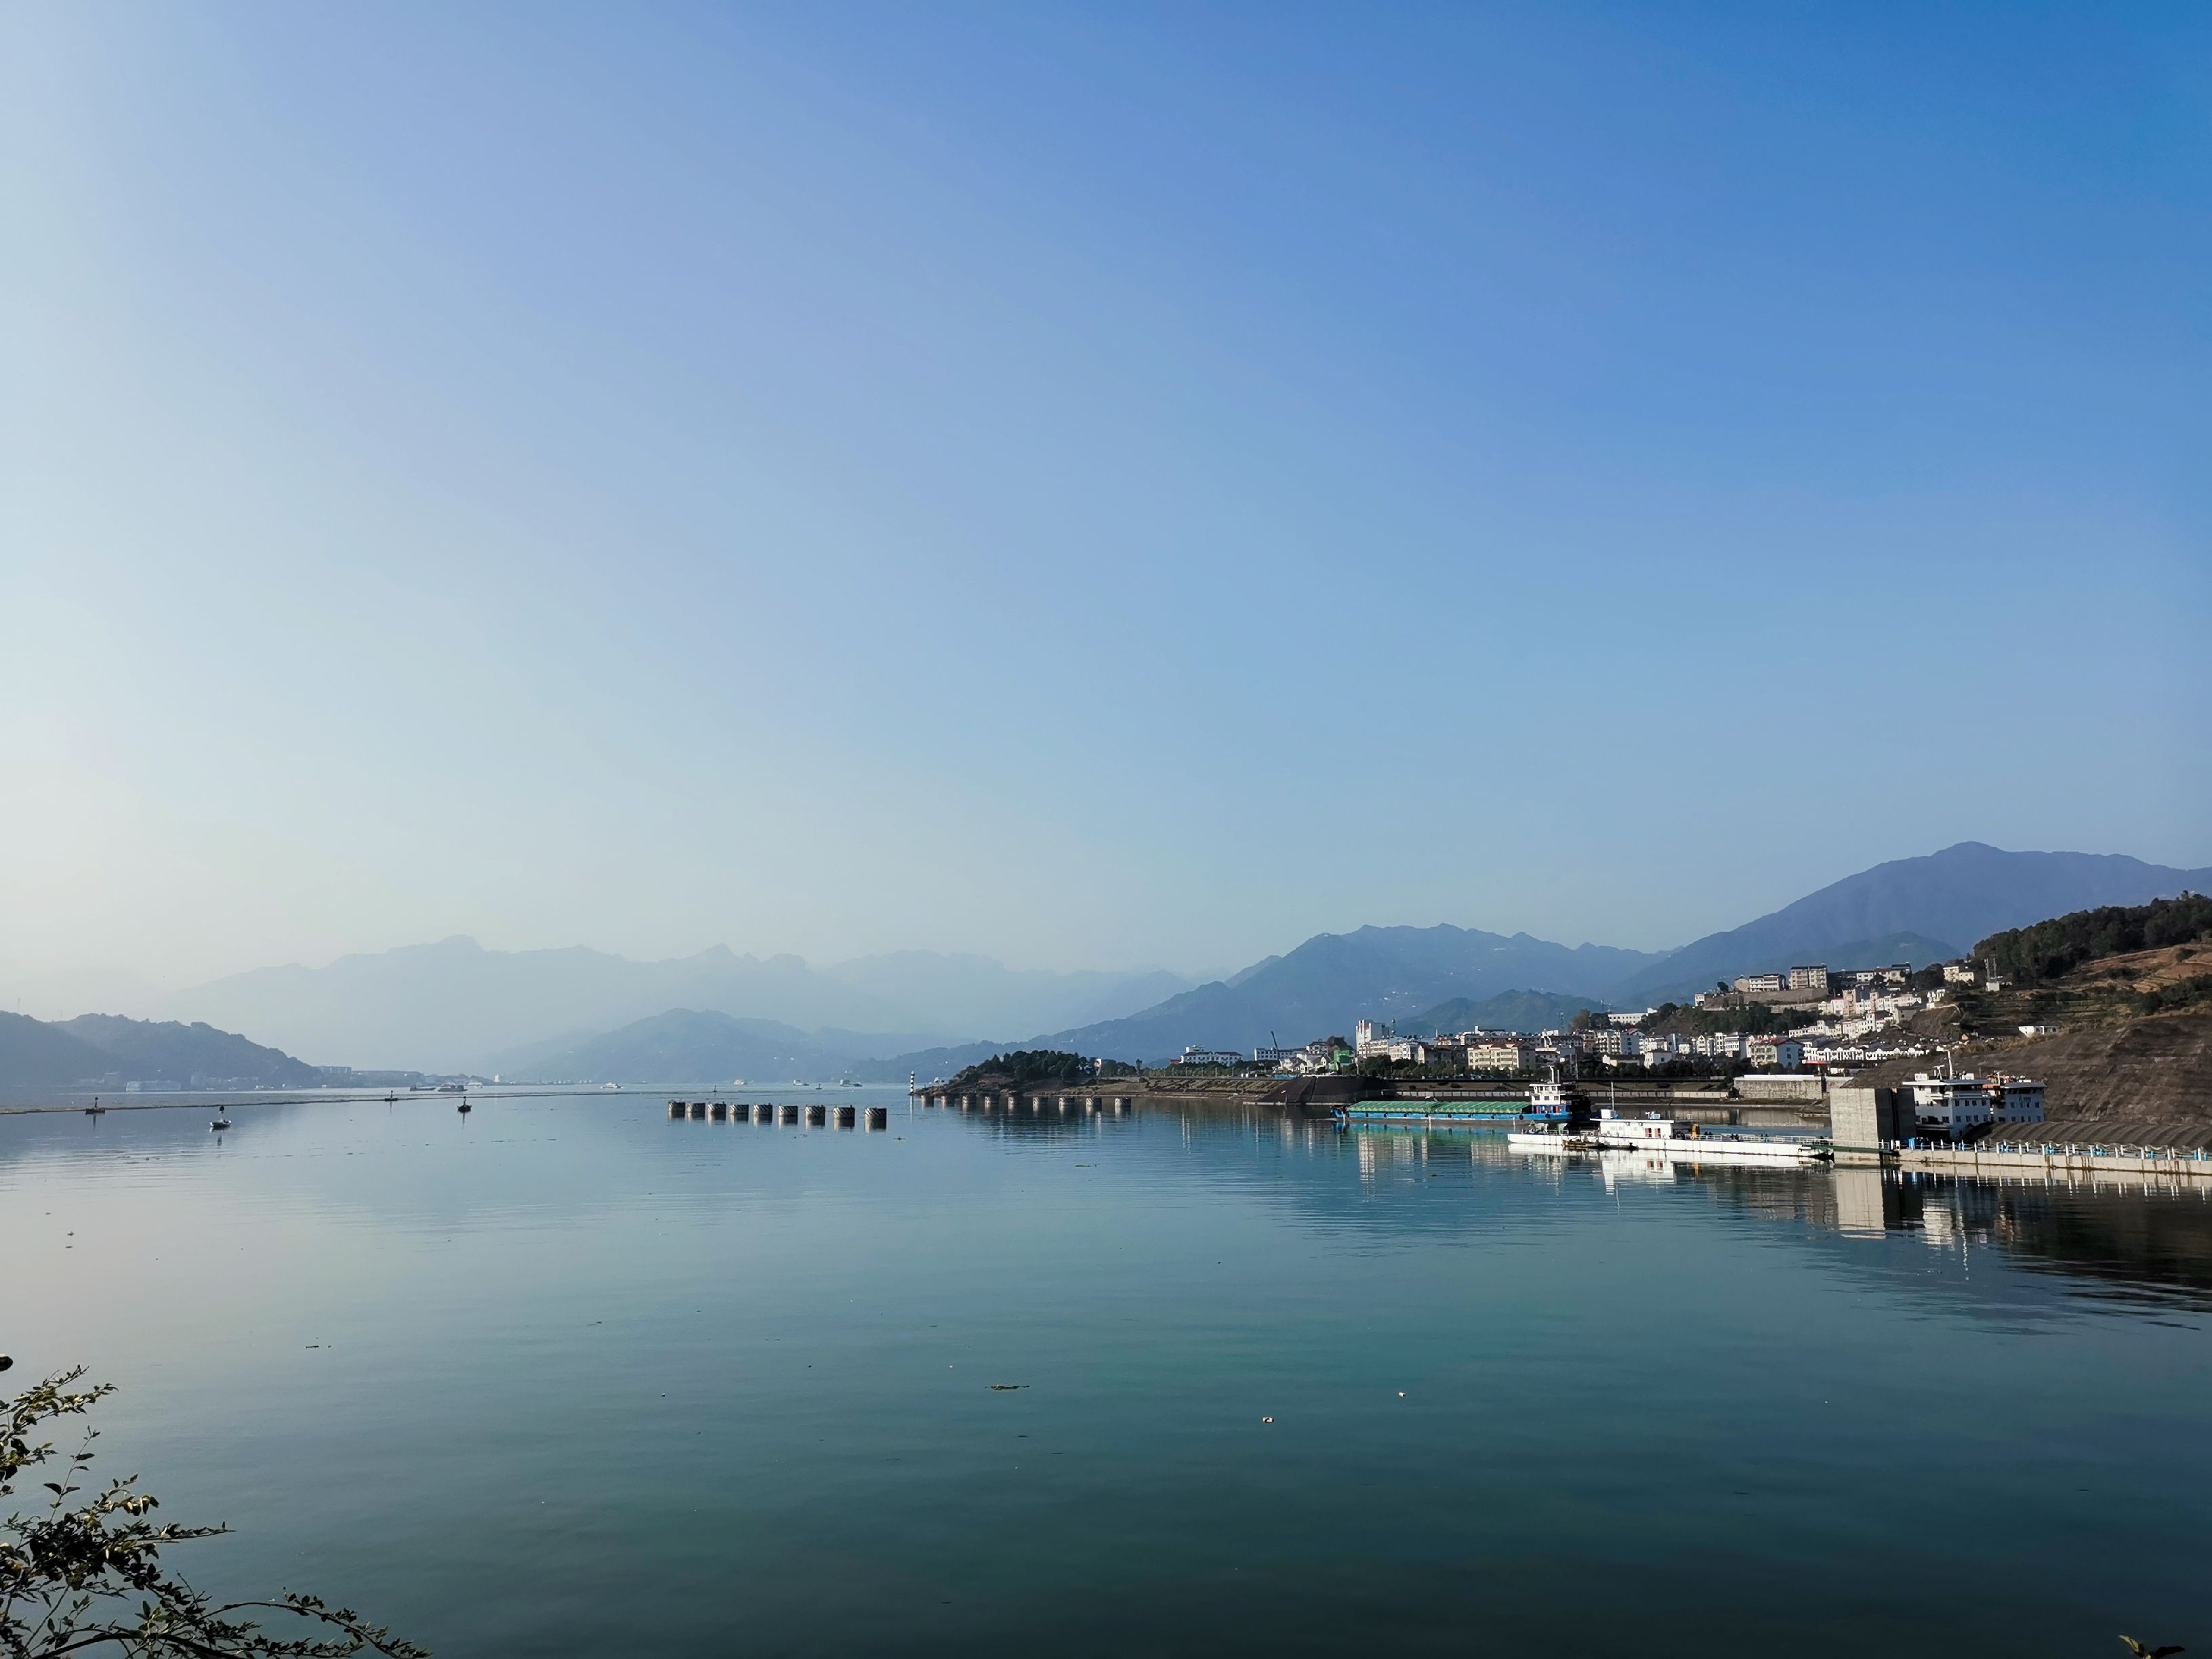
1753, 1019
2049, 950
1024, 1066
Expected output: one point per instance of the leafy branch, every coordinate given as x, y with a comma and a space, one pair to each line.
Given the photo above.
84, 1572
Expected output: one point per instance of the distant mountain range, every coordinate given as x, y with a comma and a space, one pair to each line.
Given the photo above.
1334, 979
1918, 910
454, 1005
588, 1016
107, 1050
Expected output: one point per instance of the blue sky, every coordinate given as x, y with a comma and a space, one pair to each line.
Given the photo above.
1099, 486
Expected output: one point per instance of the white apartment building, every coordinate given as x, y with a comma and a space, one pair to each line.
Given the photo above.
1492, 1054
1785, 1053
1194, 1056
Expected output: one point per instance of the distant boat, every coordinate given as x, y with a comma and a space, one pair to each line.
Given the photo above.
463, 1106
615, 1086
96, 1110
221, 1122
737, 1083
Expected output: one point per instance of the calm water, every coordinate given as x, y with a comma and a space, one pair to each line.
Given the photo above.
565, 1377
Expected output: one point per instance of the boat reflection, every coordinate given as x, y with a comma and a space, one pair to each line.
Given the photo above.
2111, 1236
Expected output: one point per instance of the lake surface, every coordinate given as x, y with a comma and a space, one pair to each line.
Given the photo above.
566, 1377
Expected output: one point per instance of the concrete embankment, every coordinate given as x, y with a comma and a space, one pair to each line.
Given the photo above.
2062, 1162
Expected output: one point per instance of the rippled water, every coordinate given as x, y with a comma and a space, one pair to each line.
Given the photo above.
566, 1377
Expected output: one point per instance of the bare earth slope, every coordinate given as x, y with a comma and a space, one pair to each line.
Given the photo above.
2144, 1083
2132, 1082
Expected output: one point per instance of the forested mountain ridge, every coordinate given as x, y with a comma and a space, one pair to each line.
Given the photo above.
2046, 950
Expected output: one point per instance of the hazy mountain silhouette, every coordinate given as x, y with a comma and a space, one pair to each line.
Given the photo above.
697, 1049
455, 1005
95, 1049
1333, 978
33, 1054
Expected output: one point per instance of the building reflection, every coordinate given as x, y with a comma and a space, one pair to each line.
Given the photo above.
2114, 1236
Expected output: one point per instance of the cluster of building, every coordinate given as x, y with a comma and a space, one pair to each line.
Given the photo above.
1616, 1042
1843, 1012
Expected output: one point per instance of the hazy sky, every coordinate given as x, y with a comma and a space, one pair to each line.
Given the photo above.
1098, 486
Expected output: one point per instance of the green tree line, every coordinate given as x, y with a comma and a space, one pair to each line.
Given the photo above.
2049, 950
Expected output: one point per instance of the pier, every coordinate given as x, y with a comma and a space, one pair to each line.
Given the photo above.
1013, 1102
872, 1118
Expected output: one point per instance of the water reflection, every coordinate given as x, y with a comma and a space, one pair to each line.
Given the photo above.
2115, 1234
2111, 1236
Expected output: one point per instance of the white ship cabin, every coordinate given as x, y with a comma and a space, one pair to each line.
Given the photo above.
1950, 1105
2016, 1100
1633, 1130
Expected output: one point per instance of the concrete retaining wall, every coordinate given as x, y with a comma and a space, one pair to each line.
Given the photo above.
2063, 1163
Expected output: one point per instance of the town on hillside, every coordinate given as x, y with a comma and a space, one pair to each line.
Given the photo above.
2083, 1004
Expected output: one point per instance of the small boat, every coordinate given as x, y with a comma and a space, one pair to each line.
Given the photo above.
463, 1106
221, 1122
96, 1110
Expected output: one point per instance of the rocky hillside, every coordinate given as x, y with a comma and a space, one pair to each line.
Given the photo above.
2141, 1082
2111, 1008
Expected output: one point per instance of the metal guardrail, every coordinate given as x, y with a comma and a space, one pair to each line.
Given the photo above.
2053, 1149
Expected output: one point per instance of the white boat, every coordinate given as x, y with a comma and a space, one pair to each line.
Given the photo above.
1561, 1140
1688, 1143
